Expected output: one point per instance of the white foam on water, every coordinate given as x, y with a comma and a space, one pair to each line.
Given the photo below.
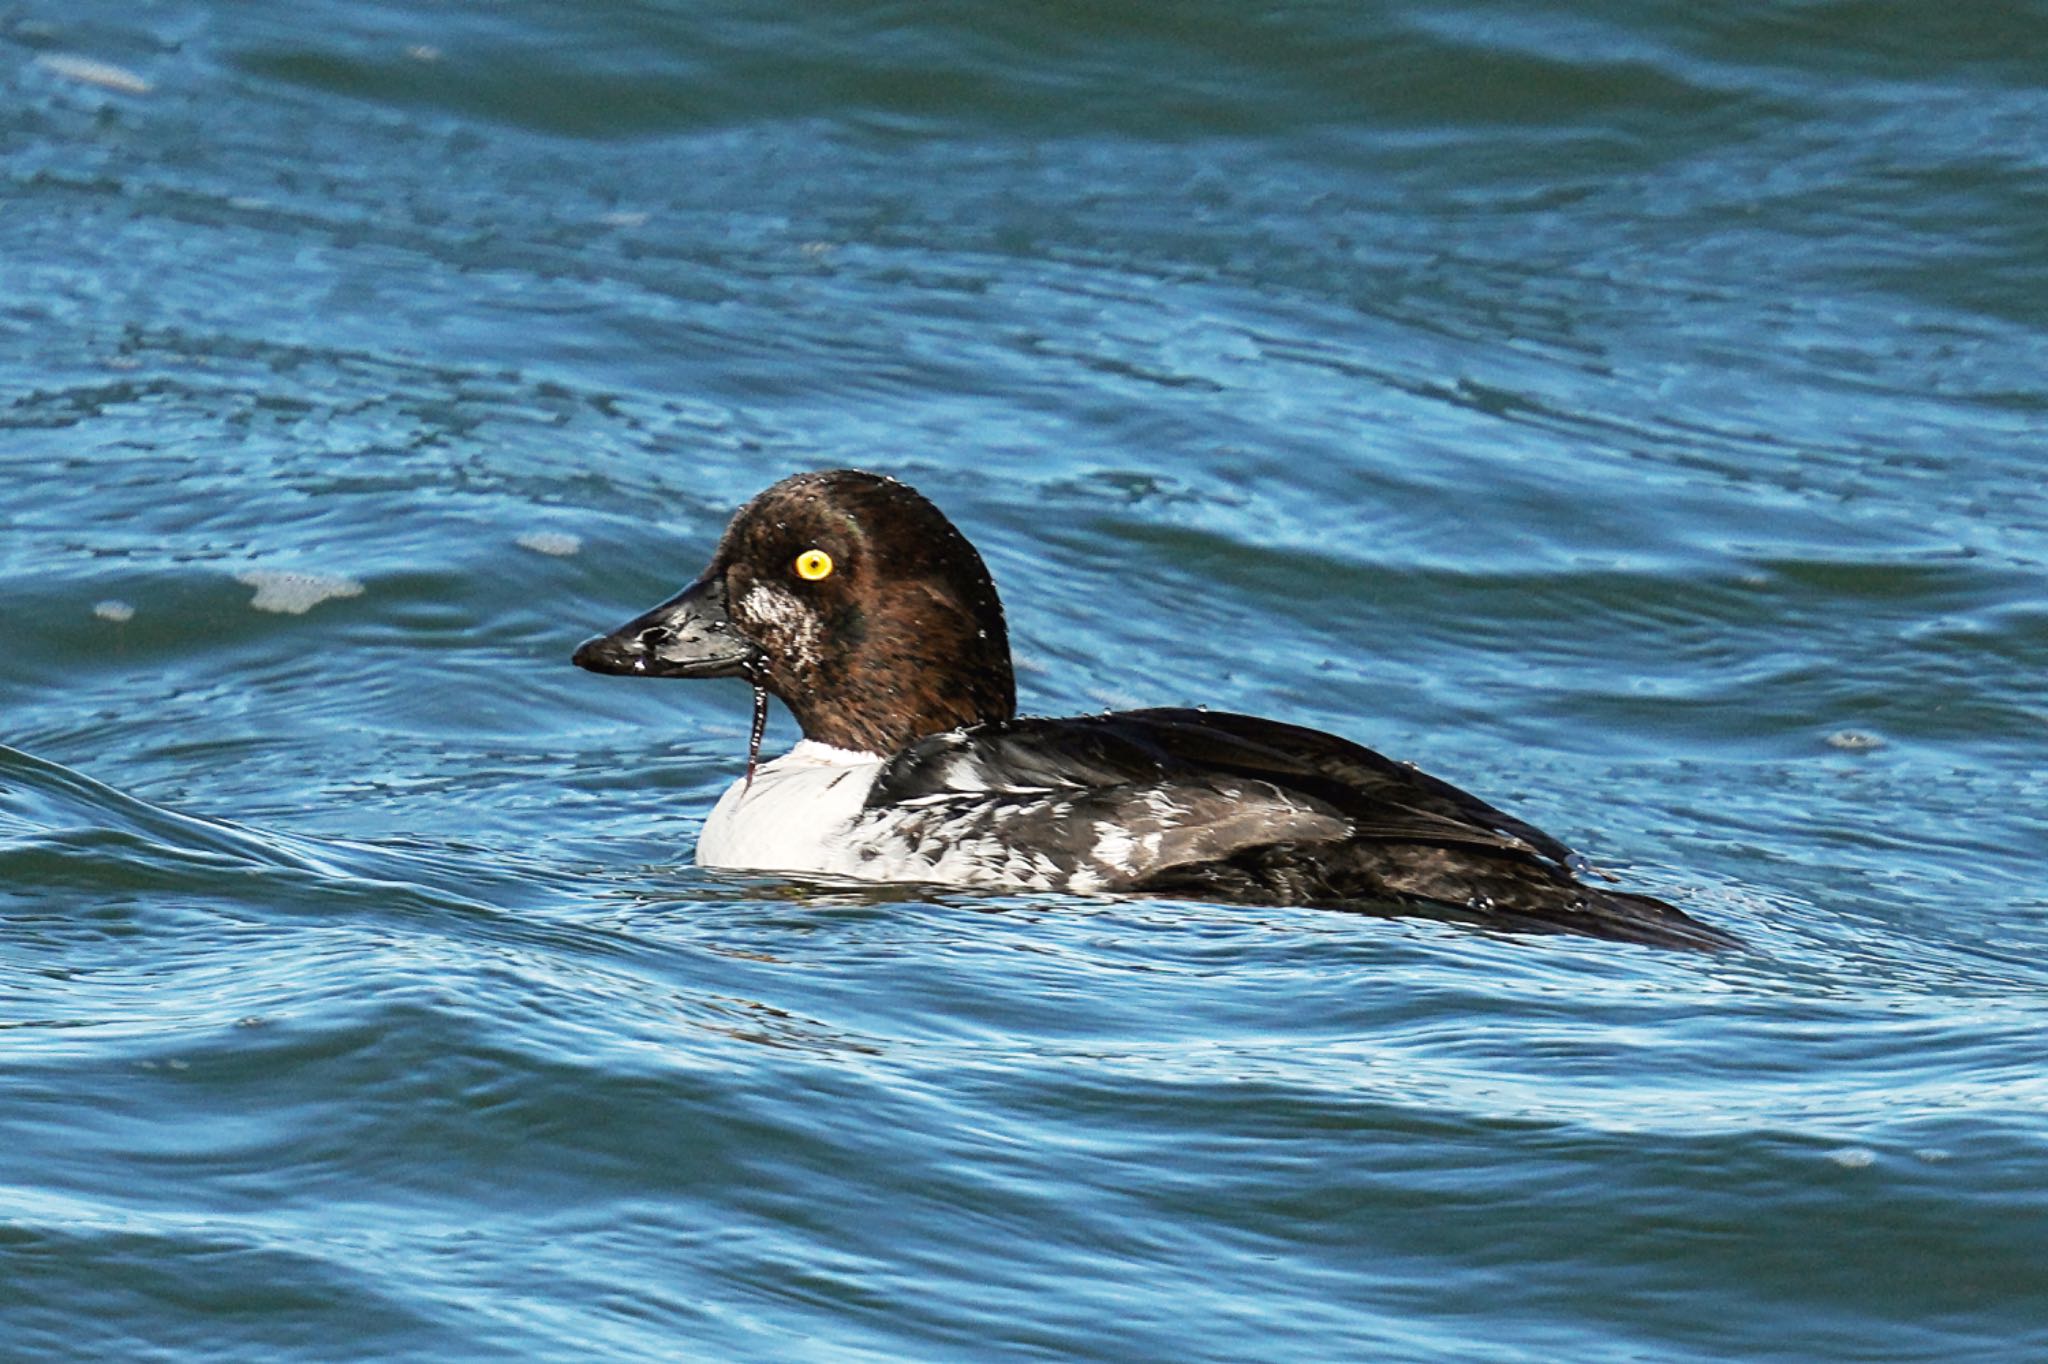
92, 71
294, 594
558, 543
116, 611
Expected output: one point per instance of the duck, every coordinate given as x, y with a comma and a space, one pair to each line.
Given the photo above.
856, 602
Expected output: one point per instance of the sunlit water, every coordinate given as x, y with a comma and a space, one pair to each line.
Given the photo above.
1633, 413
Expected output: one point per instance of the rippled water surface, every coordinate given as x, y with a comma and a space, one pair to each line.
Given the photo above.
1634, 413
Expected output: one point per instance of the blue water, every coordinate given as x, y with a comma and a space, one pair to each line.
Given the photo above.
1633, 413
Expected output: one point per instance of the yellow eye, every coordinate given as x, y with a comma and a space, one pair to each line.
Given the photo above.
813, 564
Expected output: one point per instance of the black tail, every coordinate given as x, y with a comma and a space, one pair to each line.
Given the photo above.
1625, 916
1485, 888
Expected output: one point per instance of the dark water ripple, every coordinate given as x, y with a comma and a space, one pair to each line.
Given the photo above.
1631, 412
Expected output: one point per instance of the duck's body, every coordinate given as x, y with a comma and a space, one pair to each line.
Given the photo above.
855, 601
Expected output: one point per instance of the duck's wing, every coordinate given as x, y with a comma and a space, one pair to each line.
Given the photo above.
1416, 838
1092, 803
1233, 807
1386, 800
1196, 786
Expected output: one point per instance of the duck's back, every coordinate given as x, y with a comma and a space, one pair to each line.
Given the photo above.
1232, 807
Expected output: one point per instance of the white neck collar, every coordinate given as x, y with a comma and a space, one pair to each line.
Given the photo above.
812, 753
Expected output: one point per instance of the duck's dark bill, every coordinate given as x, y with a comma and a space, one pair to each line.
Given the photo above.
690, 635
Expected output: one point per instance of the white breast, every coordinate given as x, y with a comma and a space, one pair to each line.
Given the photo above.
795, 816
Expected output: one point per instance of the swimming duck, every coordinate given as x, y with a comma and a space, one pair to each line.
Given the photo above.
857, 603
